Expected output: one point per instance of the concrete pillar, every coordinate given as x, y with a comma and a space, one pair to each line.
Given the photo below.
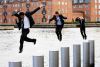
86, 54
38, 61
76, 56
92, 53
53, 58
65, 59
15, 64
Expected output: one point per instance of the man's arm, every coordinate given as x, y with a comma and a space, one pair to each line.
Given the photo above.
16, 14
34, 11
63, 17
51, 19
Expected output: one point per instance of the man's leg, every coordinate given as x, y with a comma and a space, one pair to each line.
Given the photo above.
57, 33
21, 43
60, 33
81, 31
28, 39
85, 36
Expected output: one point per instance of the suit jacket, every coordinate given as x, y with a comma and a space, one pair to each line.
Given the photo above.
18, 20
81, 22
61, 18
29, 15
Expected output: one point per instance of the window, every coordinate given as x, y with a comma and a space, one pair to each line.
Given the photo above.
80, 6
74, 7
98, 12
65, 3
59, 3
98, 1
11, 0
95, 6
34, 0
87, 1
0, 6
19, 0
80, 1
99, 7
13, 5
62, 11
22, 4
62, 3
75, 1
98, 19
95, 1
49, 3
87, 6
86, 12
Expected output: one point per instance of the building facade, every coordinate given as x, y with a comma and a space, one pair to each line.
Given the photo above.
89, 9
21, 5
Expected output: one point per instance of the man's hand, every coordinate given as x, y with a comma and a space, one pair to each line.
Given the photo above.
41, 5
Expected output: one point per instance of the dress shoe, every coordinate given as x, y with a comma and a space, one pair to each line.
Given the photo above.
34, 41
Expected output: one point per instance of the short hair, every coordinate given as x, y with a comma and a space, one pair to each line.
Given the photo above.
21, 13
56, 12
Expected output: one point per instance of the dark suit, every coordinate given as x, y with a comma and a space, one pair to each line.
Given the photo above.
29, 15
58, 27
25, 32
82, 27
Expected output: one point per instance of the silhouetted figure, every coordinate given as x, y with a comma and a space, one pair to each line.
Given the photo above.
5, 17
25, 21
82, 27
59, 21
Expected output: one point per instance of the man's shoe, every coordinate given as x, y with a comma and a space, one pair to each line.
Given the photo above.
85, 37
20, 51
34, 41
60, 39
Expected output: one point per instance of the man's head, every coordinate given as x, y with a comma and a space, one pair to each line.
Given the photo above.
57, 13
77, 19
21, 15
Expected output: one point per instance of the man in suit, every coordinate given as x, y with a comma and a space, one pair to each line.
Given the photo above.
25, 21
82, 27
59, 22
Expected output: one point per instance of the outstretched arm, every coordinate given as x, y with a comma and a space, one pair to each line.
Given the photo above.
51, 19
64, 17
16, 14
34, 11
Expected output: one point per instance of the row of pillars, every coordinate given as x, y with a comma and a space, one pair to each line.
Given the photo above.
88, 57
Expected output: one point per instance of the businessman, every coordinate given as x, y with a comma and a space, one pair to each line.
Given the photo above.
59, 22
82, 27
24, 22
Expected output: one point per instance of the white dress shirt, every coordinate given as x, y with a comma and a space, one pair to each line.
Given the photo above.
26, 22
58, 21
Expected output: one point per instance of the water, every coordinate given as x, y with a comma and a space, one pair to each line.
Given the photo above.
46, 41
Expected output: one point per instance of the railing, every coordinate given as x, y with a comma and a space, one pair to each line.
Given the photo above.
88, 57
